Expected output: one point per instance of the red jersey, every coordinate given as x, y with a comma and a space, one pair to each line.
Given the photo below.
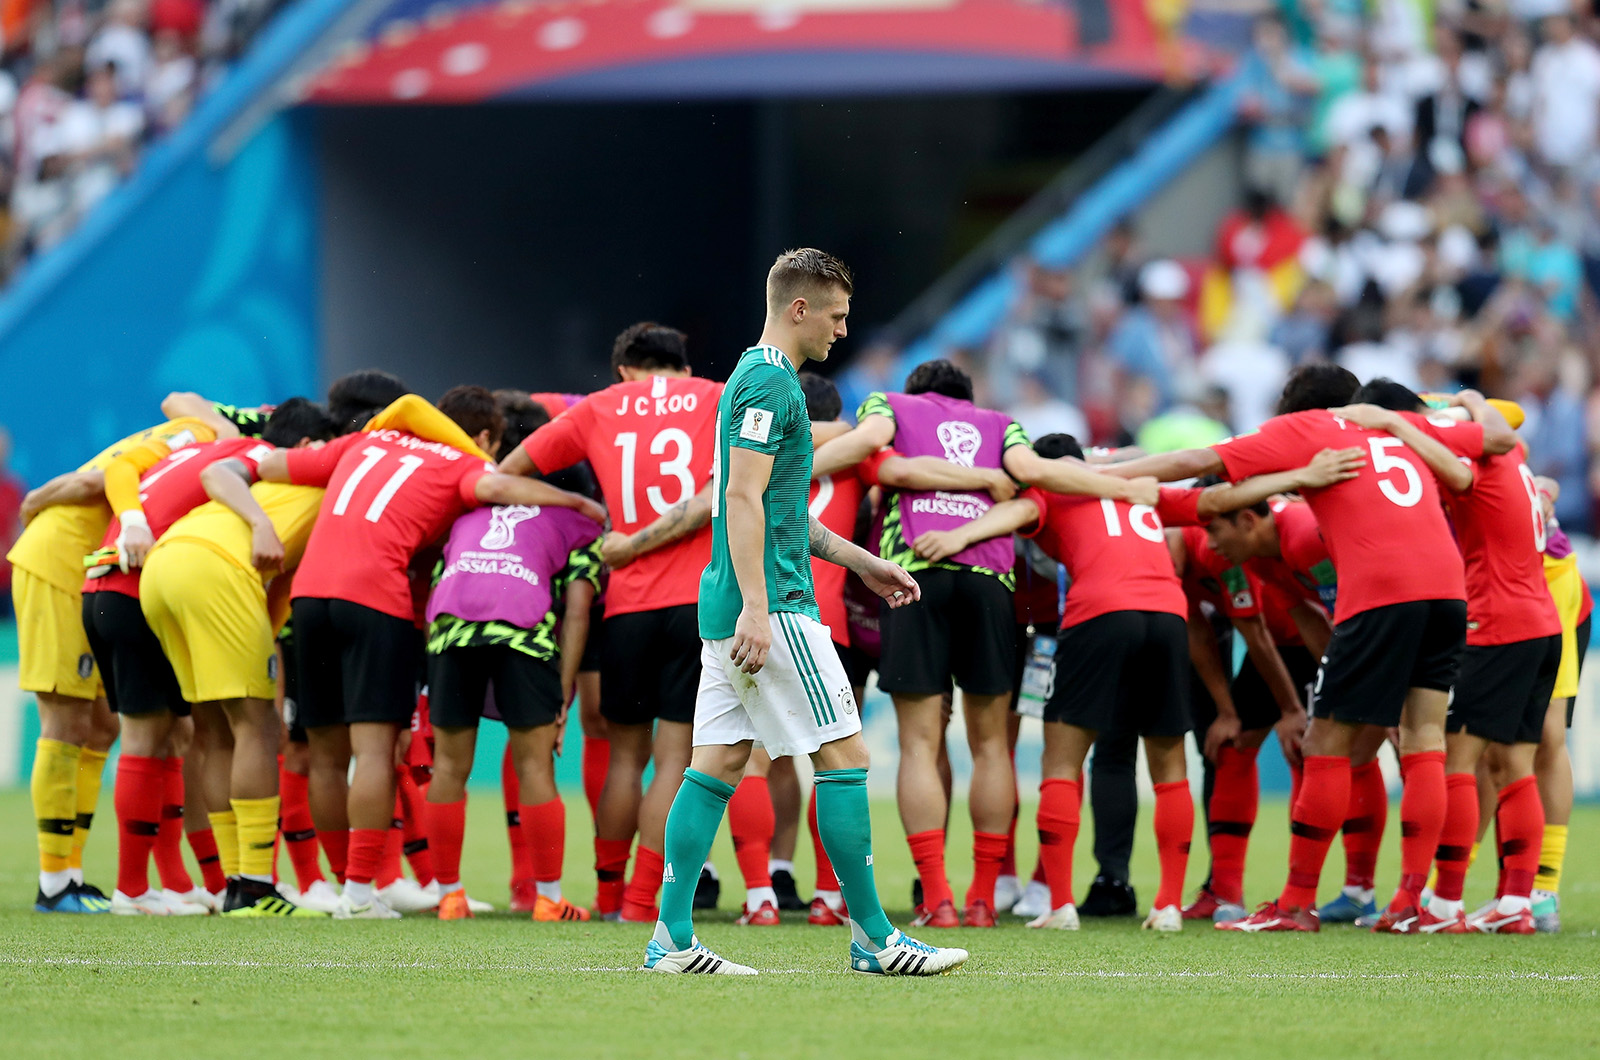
1304, 570
1500, 528
168, 491
835, 501
388, 494
1385, 528
651, 444
1209, 577
1115, 552
1275, 606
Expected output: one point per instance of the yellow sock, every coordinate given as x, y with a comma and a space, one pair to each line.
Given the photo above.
225, 830
258, 833
1472, 855
1552, 853
55, 793
91, 767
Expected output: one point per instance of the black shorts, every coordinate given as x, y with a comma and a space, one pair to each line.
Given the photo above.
1585, 629
1252, 698
593, 643
291, 690
355, 664
964, 628
137, 676
527, 691
858, 665
1378, 656
650, 666
1504, 690
1124, 670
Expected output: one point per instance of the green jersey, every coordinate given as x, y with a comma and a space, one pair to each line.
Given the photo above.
762, 408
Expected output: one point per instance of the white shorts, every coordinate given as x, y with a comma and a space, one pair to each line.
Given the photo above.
799, 701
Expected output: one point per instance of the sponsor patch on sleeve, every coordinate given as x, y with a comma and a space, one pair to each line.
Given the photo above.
757, 426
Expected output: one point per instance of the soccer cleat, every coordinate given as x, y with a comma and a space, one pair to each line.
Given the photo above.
189, 903
765, 916
942, 915
1402, 921
1035, 901
320, 897
253, 898
1167, 918
147, 904
547, 910
92, 891
373, 909
696, 960
1204, 906
1497, 923
405, 896
706, 892
1007, 892
1109, 897
1270, 916
70, 899
1228, 912
1063, 919
1430, 923
524, 896
1547, 911
1346, 910
788, 894
977, 914
825, 915
202, 897
903, 955
453, 906
478, 905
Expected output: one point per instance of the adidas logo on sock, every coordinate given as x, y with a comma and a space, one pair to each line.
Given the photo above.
667, 876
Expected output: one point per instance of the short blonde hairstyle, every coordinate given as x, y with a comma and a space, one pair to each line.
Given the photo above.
804, 273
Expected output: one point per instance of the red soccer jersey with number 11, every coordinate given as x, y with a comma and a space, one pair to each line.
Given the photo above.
388, 494
1385, 529
651, 443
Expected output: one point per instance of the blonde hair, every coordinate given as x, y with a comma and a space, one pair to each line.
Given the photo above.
804, 273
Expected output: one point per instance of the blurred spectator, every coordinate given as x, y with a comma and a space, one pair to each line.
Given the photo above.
1276, 113
1555, 431
1154, 340
1566, 93
1040, 336
1040, 412
91, 146
170, 91
871, 370
1248, 369
1303, 332
1199, 419
124, 42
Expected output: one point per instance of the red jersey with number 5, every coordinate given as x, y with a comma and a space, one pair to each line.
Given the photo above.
650, 443
1385, 529
388, 494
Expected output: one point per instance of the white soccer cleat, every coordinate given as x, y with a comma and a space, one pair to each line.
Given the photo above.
903, 955
376, 909
1035, 901
147, 904
1007, 892
1167, 918
696, 960
405, 896
1062, 919
185, 905
320, 896
202, 897
478, 905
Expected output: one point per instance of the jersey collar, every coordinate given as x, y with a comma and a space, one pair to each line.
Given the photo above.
780, 356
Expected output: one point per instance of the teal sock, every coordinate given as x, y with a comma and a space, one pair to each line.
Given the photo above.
691, 826
844, 820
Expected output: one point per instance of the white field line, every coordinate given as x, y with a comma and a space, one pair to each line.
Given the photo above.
89, 962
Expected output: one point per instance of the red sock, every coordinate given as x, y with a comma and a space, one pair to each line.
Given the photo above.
1234, 800
751, 820
1318, 812
1521, 816
1038, 871
138, 795
393, 841
1422, 810
169, 843
366, 853
204, 845
1460, 829
826, 880
544, 828
337, 846
294, 822
1297, 774
1174, 823
988, 852
639, 900
927, 850
447, 823
611, 872
1059, 808
1500, 858
510, 791
414, 828
1364, 824
596, 761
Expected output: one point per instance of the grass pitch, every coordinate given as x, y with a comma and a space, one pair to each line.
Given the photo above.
125, 987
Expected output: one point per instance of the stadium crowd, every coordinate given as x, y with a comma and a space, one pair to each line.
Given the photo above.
85, 86
1423, 205
273, 593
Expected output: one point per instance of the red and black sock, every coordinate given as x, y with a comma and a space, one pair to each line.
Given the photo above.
1318, 812
1060, 808
169, 843
1422, 812
1364, 824
752, 822
139, 792
1235, 797
1455, 839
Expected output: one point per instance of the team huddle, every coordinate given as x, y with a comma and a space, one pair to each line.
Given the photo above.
296, 617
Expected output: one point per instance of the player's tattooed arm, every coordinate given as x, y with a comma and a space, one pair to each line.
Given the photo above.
228, 483
1003, 518
74, 487
1074, 477
679, 521
935, 473
889, 580
848, 450
1326, 468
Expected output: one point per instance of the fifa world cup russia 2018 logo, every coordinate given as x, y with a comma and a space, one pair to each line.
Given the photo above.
503, 522
961, 441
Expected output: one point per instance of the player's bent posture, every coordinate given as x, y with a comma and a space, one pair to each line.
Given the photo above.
769, 671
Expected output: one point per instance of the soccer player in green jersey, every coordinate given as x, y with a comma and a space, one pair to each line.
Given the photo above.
769, 671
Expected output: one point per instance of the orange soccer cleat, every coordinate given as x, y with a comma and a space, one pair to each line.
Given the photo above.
765, 916
978, 914
547, 910
453, 906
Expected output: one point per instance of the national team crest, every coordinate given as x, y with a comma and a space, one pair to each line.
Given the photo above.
961, 441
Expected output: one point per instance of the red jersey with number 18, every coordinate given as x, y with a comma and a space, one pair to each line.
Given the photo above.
388, 494
1385, 528
651, 444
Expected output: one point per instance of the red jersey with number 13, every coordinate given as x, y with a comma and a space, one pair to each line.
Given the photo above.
650, 443
388, 494
1385, 528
